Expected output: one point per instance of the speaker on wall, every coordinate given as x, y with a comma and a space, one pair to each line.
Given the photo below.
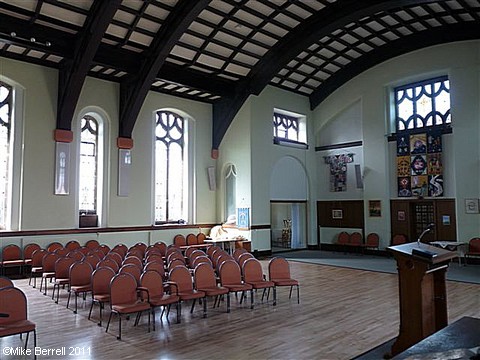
212, 183
358, 176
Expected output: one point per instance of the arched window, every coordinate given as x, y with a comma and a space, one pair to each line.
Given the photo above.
6, 128
90, 170
230, 190
171, 168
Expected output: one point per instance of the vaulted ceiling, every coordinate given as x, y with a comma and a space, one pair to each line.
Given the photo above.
221, 51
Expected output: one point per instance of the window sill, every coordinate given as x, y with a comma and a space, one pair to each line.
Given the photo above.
290, 143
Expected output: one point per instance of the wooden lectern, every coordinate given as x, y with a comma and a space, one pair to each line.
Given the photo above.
422, 290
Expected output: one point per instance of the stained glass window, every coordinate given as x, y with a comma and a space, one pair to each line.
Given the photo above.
285, 127
170, 172
5, 134
423, 105
88, 166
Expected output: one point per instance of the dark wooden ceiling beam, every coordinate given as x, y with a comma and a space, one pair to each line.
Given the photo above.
323, 23
134, 89
74, 71
406, 44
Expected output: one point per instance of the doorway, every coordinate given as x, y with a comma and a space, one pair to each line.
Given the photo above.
288, 225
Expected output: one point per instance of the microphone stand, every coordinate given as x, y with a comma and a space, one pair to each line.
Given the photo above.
429, 228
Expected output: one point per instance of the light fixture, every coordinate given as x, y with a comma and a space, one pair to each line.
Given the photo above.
32, 39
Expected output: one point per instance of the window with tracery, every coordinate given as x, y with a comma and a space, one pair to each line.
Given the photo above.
170, 168
88, 166
423, 105
5, 152
285, 127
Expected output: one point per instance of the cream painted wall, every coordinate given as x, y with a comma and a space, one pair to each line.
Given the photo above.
41, 209
462, 155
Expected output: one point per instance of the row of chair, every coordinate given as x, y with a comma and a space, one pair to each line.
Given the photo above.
355, 241
197, 240
148, 281
13, 312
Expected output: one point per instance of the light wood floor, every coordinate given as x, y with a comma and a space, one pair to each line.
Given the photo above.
342, 313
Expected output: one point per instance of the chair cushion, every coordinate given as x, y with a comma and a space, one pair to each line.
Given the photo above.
261, 284
285, 282
214, 291
131, 308
164, 300
191, 295
16, 327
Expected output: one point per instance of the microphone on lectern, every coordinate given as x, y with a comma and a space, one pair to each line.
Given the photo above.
429, 227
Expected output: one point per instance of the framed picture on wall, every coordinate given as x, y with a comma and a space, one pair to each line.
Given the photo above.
374, 208
471, 206
401, 215
337, 214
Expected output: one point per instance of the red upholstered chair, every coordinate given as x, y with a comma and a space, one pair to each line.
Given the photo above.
180, 241
121, 249
253, 275
28, 251
72, 245
93, 259
238, 252
62, 274
199, 260
279, 273
12, 257
92, 244
124, 300
343, 239
162, 247
399, 239
133, 270
13, 304
48, 272
181, 278
231, 278
473, 248
108, 263
191, 239
201, 238
206, 281
101, 279
115, 256
36, 269
80, 281
133, 260
152, 282
156, 266
373, 241
5, 281
54, 246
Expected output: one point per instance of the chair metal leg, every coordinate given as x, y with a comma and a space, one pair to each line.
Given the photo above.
274, 295
228, 302
119, 337
193, 306
205, 306
179, 312
298, 294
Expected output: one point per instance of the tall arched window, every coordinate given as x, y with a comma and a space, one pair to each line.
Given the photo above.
171, 168
6, 127
88, 172
230, 190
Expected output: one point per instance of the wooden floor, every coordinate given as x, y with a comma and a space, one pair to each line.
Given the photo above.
342, 313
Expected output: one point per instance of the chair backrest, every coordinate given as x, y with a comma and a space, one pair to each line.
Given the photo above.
133, 260
76, 254
29, 249
204, 276
201, 238
5, 281
54, 246
191, 239
399, 239
179, 240
278, 268
11, 252
154, 257
171, 249
153, 281
48, 262
92, 244
104, 248
37, 257
373, 240
85, 250
115, 256
121, 249
175, 262
123, 289
230, 273
343, 238
474, 245
72, 245
182, 277
162, 247
92, 259
244, 257
141, 246
175, 256
152, 250
62, 267
101, 279
211, 249
155, 266
108, 263
220, 260
131, 269
81, 274
199, 260
356, 238
14, 303
238, 252
61, 251
188, 251
195, 253
137, 252
252, 270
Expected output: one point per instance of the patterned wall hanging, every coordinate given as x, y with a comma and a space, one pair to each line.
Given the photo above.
419, 165
338, 171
